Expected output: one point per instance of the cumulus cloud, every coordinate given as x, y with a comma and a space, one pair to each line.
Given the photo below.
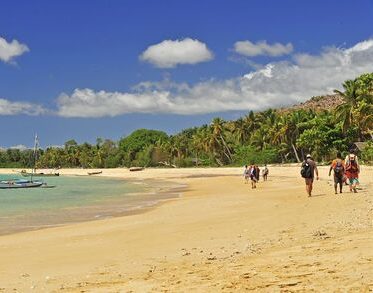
276, 84
8, 51
15, 108
169, 53
250, 49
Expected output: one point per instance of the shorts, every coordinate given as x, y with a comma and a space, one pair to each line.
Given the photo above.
338, 179
253, 178
308, 180
353, 181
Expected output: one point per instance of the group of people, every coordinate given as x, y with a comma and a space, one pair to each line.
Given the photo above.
344, 172
252, 173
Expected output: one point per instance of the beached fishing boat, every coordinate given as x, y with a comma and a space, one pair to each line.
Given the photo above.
94, 172
136, 169
27, 174
19, 183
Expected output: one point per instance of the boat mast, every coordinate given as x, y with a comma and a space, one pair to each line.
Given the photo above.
34, 155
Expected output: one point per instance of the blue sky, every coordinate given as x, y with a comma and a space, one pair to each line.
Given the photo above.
88, 69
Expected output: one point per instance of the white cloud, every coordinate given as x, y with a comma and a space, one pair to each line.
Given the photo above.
15, 108
10, 50
276, 84
20, 147
169, 53
250, 49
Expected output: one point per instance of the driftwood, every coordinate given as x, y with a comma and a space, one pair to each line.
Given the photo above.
167, 164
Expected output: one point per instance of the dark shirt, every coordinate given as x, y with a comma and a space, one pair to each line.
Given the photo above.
313, 167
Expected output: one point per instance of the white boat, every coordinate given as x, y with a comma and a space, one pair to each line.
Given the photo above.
19, 183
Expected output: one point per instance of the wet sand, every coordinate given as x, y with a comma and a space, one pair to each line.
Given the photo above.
220, 236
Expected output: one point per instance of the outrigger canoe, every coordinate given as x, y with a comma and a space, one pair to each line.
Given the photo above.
28, 174
94, 173
19, 183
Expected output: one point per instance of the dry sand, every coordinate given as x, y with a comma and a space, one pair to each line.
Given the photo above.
220, 236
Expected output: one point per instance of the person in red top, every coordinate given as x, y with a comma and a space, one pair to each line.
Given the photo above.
352, 170
338, 166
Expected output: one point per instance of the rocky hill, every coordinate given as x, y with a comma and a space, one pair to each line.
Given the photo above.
319, 103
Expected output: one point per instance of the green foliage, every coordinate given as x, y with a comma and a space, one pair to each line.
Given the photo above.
321, 137
245, 155
184, 163
140, 139
367, 153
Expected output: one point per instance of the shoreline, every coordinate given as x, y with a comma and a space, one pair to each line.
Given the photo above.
162, 190
220, 236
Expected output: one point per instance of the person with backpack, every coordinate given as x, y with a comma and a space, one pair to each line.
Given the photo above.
338, 167
308, 171
257, 173
253, 175
352, 170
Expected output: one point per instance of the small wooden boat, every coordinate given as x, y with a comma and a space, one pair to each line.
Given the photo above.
39, 174
19, 183
136, 169
94, 172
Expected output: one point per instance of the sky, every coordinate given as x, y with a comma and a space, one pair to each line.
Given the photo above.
87, 69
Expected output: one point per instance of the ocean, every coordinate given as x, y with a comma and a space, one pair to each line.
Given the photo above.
76, 199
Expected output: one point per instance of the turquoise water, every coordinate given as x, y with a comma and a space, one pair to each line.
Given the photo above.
74, 199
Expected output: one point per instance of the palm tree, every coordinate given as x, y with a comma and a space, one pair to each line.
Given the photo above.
219, 142
350, 97
240, 130
290, 129
364, 119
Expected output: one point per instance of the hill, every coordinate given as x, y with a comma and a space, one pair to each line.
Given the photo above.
318, 103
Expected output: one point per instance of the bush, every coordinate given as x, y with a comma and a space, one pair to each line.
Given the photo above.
248, 154
367, 154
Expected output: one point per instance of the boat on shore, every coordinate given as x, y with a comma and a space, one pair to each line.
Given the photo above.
132, 169
39, 174
94, 173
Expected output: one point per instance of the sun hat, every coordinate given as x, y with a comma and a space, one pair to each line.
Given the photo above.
308, 156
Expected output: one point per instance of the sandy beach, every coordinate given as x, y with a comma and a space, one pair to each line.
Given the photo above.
219, 236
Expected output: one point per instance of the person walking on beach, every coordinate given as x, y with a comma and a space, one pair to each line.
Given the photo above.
308, 171
246, 174
265, 173
338, 167
257, 173
352, 171
252, 172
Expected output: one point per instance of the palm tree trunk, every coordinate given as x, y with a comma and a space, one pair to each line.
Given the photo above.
229, 156
295, 152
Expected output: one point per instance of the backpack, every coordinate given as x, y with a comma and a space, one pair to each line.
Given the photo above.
306, 170
351, 164
338, 168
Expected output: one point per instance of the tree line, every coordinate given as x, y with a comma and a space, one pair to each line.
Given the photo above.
270, 136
